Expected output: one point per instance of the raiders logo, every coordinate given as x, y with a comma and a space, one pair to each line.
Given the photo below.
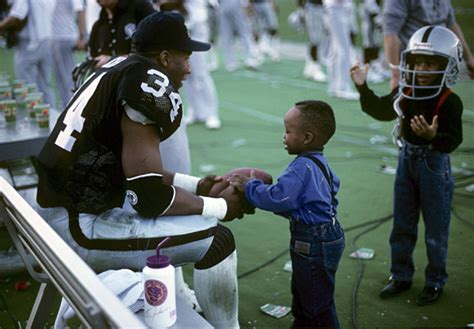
132, 197
129, 29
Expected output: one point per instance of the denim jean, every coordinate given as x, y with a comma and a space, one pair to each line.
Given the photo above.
315, 254
423, 183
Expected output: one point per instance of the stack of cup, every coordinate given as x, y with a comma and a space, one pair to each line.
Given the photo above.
42, 115
31, 101
8, 107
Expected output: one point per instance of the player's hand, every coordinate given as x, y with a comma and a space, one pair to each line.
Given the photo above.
101, 60
358, 75
239, 181
234, 204
205, 184
81, 44
421, 128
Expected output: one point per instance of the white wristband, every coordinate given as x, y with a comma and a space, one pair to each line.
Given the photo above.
186, 182
214, 207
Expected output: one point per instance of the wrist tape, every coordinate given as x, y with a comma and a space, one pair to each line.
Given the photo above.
214, 207
186, 182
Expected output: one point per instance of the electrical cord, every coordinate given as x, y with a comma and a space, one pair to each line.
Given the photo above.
376, 223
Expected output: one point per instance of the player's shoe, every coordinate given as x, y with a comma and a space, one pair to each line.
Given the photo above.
318, 74
213, 122
313, 71
374, 77
346, 94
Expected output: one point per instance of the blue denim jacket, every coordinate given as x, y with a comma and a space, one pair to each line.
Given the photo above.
301, 193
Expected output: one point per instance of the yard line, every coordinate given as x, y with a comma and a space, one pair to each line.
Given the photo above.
272, 78
278, 121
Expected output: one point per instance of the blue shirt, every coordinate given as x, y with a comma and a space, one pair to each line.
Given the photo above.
301, 193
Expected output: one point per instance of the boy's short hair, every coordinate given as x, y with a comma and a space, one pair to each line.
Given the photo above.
318, 117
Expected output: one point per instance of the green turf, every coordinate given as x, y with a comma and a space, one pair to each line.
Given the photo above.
251, 107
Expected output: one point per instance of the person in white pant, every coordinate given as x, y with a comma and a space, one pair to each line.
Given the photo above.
266, 22
339, 80
370, 13
199, 87
32, 57
315, 27
233, 20
68, 34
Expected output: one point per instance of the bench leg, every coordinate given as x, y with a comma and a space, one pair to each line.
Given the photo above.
42, 307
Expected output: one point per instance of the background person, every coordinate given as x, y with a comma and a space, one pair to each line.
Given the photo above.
32, 58
68, 34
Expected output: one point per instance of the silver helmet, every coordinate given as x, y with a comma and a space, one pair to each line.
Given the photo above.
431, 41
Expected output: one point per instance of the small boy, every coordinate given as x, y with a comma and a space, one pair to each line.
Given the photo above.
306, 194
431, 128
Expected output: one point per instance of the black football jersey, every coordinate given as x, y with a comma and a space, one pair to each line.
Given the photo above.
79, 167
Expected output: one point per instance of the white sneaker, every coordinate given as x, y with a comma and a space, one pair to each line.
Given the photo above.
213, 123
308, 69
232, 67
252, 63
189, 297
188, 120
346, 94
313, 71
318, 74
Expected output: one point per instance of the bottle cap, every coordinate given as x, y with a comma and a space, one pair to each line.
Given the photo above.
158, 261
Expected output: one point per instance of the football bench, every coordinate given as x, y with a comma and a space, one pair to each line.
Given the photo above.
63, 271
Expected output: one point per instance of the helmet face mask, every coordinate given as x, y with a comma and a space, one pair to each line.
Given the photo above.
430, 44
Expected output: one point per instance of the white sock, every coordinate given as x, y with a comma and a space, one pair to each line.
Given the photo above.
217, 292
184, 292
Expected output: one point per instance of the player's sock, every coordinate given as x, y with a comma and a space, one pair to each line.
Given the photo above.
184, 292
217, 292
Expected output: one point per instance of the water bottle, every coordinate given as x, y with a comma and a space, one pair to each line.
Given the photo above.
159, 290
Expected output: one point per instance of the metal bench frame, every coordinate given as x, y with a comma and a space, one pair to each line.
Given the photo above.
62, 270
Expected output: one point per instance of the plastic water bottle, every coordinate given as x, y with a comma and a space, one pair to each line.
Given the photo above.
159, 290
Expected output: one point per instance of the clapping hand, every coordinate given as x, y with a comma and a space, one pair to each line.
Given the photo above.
421, 128
358, 75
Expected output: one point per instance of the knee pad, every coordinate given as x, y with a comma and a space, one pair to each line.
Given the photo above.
222, 246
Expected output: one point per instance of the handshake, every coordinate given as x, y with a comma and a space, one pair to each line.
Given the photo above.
231, 188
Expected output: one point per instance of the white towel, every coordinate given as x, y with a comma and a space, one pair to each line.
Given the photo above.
125, 284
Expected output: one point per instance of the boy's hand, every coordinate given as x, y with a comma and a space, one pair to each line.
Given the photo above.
205, 184
239, 181
359, 76
420, 127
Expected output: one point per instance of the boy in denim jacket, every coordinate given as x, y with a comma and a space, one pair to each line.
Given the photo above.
306, 194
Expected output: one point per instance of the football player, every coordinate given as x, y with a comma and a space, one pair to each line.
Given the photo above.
102, 163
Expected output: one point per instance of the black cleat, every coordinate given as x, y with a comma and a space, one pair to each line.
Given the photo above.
394, 288
429, 295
